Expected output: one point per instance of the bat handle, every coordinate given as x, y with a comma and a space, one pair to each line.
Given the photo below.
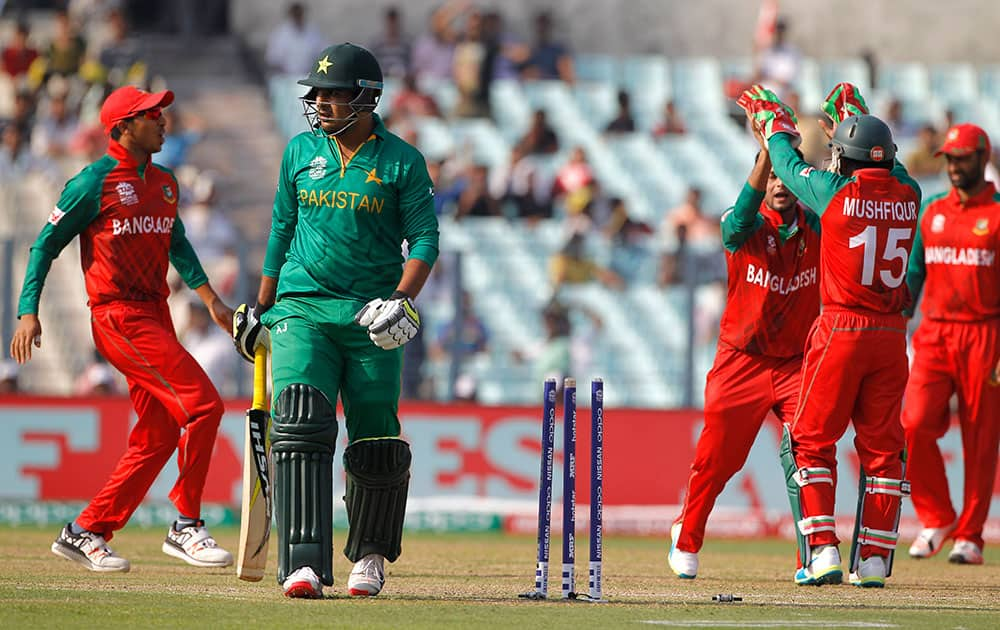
260, 378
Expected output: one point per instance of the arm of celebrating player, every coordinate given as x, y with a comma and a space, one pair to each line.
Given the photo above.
743, 219
77, 207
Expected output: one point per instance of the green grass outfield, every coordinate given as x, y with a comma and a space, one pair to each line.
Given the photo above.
471, 581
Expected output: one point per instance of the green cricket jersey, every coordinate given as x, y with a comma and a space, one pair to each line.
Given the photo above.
337, 228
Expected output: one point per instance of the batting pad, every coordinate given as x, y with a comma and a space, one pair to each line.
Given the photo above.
303, 436
378, 477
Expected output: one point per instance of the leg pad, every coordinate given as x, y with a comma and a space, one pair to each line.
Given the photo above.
378, 477
303, 437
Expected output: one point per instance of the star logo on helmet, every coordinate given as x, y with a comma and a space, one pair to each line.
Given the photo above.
323, 64
373, 177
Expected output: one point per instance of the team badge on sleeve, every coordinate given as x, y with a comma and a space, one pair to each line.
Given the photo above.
168, 194
55, 216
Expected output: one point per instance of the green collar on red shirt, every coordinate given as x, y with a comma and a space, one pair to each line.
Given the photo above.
773, 217
983, 198
120, 153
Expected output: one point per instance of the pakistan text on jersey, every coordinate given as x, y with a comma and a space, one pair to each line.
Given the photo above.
341, 199
142, 225
880, 209
971, 256
783, 286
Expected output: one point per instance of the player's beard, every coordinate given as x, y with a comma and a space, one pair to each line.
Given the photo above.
967, 179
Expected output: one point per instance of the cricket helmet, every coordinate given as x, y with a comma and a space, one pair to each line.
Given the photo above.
864, 139
343, 67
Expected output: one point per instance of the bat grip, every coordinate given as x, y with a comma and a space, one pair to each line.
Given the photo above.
260, 378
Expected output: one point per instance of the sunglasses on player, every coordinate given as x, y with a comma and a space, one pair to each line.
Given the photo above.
153, 113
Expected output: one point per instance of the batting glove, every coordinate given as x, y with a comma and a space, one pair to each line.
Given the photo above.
844, 101
768, 112
390, 323
248, 332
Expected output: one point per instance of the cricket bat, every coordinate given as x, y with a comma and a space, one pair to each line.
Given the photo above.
255, 515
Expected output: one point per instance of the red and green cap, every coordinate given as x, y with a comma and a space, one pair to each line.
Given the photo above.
964, 139
127, 101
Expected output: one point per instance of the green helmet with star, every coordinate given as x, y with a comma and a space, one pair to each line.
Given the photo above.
345, 66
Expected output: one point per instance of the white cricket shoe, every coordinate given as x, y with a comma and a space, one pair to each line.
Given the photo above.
930, 541
303, 583
871, 573
194, 545
90, 550
684, 564
367, 576
965, 552
824, 568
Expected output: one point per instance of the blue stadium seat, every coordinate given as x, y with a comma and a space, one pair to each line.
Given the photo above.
596, 67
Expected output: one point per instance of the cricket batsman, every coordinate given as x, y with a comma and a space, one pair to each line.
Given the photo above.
124, 209
855, 366
772, 254
337, 297
956, 348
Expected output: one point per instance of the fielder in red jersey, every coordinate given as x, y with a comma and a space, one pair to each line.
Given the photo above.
956, 349
772, 254
855, 367
124, 209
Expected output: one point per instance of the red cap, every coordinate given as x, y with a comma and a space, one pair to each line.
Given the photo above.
964, 139
127, 101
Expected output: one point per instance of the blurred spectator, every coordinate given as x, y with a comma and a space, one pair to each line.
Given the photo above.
902, 129
921, 161
472, 71
525, 183
294, 45
23, 114
392, 46
66, 51
184, 130
97, 379
120, 54
548, 60
555, 356
17, 161
540, 137
211, 347
572, 265
814, 141
671, 123
699, 230
410, 101
462, 340
623, 122
779, 64
504, 53
628, 239
9, 372
434, 51
18, 55
446, 192
475, 199
55, 129
871, 65
575, 174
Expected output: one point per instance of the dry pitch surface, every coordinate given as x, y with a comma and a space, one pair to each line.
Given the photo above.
471, 581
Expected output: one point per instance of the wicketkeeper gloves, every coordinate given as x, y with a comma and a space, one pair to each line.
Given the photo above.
769, 114
390, 323
248, 332
844, 101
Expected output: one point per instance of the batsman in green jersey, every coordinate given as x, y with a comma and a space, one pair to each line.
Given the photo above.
336, 297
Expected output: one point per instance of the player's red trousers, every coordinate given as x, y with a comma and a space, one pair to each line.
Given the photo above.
170, 392
855, 368
952, 357
740, 390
